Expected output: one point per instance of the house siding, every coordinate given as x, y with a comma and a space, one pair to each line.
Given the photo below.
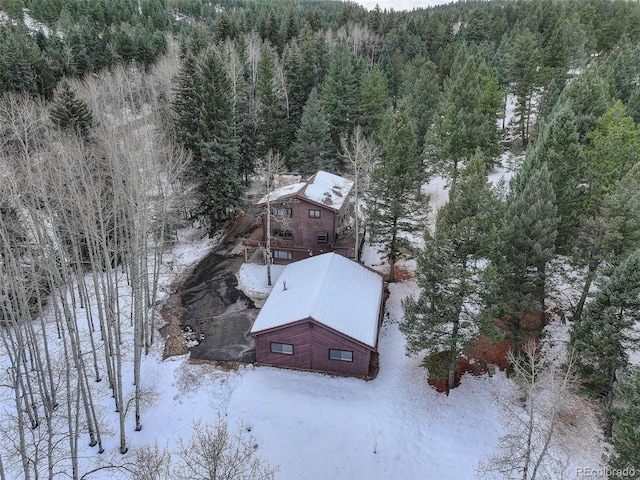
304, 241
311, 343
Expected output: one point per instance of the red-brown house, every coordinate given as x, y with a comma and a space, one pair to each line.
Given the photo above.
309, 218
323, 314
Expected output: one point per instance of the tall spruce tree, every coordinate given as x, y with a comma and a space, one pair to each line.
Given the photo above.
522, 63
313, 150
69, 112
608, 332
559, 145
609, 237
443, 319
373, 101
467, 119
614, 148
340, 94
393, 203
625, 436
423, 98
204, 124
272, 130
526, 244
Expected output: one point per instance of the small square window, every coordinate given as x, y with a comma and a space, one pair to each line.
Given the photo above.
282, 255
284, 348
323, 237
341, 355
314, 213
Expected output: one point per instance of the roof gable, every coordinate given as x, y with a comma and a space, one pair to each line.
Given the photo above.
331, 289
322, 188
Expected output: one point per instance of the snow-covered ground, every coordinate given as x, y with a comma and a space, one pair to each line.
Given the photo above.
316, 426
252, 280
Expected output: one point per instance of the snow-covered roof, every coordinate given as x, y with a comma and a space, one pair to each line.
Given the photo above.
323, 187
331, 289
282, 192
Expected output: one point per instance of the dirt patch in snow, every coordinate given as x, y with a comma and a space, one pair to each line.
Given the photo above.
171, 312
402, 273
485, 356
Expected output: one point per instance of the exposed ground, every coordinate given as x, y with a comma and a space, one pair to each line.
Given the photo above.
216, 315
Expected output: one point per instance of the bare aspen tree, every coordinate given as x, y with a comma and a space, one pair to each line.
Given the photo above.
215, 453
253, 42
524, 451
268, 171
94, 214
360, 154
151, 463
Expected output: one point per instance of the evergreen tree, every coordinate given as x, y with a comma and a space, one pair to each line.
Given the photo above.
609, 331
204, 124
525, 246
522, 63
559, 145
292, 24
68, 112
423, 98
467, 119
340, 94
225, 27
272, 130
588, 96
614, 147
393, 205
306, 63
612, 233
443, 319
626, 434
373, 100
186, 104
312, 150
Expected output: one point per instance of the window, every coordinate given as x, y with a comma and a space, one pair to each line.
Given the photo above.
282, 255
286, 234
284, 348
342, 355
323, 237
314, 213
283, 212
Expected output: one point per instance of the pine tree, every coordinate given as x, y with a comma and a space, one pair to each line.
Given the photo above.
204, 124
614, 147
612, 234
373, 100
272, 130
393, 205
522, 63
340, 94
186, 103
68, 112
609, 331
442, 320
559, 145
312, 150
526, 244
626, 434
588, 96
467, 119
423, 98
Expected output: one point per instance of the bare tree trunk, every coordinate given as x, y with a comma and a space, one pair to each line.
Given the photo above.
361, 155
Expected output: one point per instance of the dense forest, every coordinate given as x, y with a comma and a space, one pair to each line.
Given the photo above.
121, 120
